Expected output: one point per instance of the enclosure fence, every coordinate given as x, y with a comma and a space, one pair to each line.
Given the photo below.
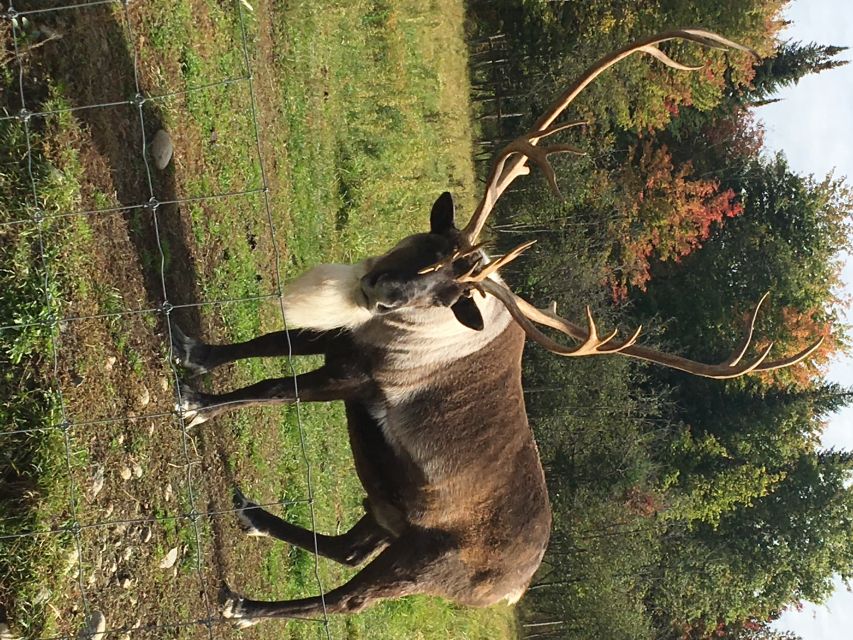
208, 617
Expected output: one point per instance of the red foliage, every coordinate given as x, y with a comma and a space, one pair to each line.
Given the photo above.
642, 503
672, 107
666, 214
738, 136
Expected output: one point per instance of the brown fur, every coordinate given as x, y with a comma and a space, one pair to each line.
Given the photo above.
430, 374
456, 501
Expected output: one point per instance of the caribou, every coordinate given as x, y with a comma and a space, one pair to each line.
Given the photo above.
423, 345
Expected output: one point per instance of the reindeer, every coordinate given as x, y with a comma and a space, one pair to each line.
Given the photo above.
423, 345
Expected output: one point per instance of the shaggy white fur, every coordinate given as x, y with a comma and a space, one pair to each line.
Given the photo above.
327, 297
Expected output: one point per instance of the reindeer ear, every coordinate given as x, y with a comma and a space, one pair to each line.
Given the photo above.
441, 216
466, 311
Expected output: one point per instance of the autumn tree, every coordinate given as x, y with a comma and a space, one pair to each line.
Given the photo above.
665, 213
787, 241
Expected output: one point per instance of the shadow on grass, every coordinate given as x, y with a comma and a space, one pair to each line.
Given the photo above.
92, 64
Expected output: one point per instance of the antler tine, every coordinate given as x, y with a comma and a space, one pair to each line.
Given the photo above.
453, 257
791, 360
511, 162
539, 155
544, 133
525, 314
740, 351
492, 267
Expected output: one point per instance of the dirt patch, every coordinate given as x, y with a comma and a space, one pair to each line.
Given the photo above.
140, 485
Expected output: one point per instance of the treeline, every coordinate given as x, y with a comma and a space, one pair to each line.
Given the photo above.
685, 508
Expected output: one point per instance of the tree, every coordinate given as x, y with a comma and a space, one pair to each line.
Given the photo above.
718, 140
783, 548
737, 442
787, 241
791, 62
665, 213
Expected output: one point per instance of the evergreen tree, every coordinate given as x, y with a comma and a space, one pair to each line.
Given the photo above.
781, 549
787, 242
792, 61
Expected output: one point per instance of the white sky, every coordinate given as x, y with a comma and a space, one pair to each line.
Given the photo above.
813, 126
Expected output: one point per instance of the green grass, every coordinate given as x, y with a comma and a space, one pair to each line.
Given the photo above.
34, 471
363, 114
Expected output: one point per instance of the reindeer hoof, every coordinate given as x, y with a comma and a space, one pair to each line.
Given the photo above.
188, 352
244, 519
234, 610
192, 406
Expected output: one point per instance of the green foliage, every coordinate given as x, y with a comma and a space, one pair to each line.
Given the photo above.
687, 486
554, 41
783, 547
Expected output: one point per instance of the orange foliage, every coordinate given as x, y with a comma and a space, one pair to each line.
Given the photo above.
801, 329
665, 213
642, 503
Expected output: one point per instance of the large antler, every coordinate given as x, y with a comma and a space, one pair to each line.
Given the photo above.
525, 314
511, 162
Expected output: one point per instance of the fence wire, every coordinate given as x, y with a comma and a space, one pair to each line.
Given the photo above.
208, 618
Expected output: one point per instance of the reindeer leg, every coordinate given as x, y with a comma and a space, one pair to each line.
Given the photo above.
320, 385
400, 570
350, 548
199, 357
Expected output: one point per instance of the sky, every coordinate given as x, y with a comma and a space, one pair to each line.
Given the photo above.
813, 127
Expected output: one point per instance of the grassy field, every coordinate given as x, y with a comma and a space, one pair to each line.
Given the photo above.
362, 110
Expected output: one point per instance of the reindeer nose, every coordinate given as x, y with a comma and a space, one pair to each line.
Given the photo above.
382, 291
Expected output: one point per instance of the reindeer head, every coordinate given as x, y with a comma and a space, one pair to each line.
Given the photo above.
444, 267
426, 270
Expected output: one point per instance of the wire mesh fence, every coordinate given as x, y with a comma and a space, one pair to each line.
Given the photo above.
181, 513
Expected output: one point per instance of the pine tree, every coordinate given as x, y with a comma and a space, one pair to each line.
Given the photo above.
707, 136
793, 61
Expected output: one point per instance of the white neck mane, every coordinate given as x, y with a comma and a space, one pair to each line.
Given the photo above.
329, 297
414, 338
